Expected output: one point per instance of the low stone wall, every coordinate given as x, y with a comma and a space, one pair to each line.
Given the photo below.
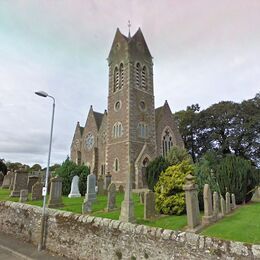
84, 237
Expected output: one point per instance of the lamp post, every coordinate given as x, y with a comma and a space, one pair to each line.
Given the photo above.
45, 188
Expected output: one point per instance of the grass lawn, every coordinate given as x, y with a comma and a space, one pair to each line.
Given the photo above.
243, 225
75, 205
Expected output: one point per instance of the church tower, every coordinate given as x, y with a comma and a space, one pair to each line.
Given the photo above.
131, 138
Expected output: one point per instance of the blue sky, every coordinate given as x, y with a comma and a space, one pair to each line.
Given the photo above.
204, 51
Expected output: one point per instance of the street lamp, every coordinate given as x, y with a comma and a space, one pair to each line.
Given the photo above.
45, 188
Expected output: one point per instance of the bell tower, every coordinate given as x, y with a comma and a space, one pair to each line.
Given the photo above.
131, 140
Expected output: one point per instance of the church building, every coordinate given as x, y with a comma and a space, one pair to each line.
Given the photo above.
131, 132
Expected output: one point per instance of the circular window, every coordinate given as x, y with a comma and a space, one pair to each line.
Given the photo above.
142, 105
117, 105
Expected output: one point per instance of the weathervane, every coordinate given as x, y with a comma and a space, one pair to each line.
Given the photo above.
129, 25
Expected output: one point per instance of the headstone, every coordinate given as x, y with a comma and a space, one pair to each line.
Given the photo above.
233, 200
111, 197
100, 184
107, 180
91, 186
222, 206
31, 181
228, 209
55, 199
149, 205
86, 207
121, 189
208, 211
141, 197
215, 204
37, 191
74, 189
256, 196
90, 195
6, 181
20, 183
12, 174
23, 195
1, 178
127, 205
192, 203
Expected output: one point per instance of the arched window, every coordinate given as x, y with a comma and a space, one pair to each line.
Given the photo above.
137, 74
166, 142
144, 78
116, 79
117, 130
121, 69
116, 165
142, 130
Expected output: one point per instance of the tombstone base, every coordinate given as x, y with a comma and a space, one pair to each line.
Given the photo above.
86, 207
15, 193
74, 195
206, 220
127, 212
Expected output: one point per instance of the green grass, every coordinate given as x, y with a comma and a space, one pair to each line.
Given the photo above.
243, 225
75, 205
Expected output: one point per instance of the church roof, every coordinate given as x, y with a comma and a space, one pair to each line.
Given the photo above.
98, 117
158, 114
81, 130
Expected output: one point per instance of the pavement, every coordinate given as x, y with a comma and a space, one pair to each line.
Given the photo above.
12, 248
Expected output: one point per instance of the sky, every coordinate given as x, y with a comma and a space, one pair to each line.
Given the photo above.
204, 51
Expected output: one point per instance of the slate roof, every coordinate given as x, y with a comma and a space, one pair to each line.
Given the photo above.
98, 117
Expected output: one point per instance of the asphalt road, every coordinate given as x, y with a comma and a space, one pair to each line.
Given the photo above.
12, 248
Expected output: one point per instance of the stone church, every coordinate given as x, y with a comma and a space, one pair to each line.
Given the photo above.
131, 132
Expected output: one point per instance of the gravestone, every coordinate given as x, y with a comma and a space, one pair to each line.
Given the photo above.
55, 199
233, 200
228, 209
141, 197
90, 195
111, 197
23, 196
31, 181
6, 181
107, 180
192, 203
222, 206
1, 178
208, 211
256, 196
37, 190
20, 183
149, 205
121, 189
215, 204
100, 184
12, 174
74, 189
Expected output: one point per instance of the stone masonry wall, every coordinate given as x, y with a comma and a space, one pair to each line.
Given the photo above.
84, 237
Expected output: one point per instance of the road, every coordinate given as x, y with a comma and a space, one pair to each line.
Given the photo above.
16, 249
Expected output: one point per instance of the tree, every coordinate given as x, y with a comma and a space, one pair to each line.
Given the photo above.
177, 155
36, 167
3, 167
170, 197
67, 171
154, 169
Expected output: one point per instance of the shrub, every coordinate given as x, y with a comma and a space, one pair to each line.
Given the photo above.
154, 169
170, 197
67, 171
177, 155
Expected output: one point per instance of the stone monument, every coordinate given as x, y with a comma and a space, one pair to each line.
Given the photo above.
149, 205
55, 198
111, 197
121, 189
192, 204
100, 184
20, 183
208, 211
37, 190
228, 209
107, 180
6, 181
74, 189
23, 196
31, 181
222, 206
1, 178
90, 195
233, 201
215, 205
